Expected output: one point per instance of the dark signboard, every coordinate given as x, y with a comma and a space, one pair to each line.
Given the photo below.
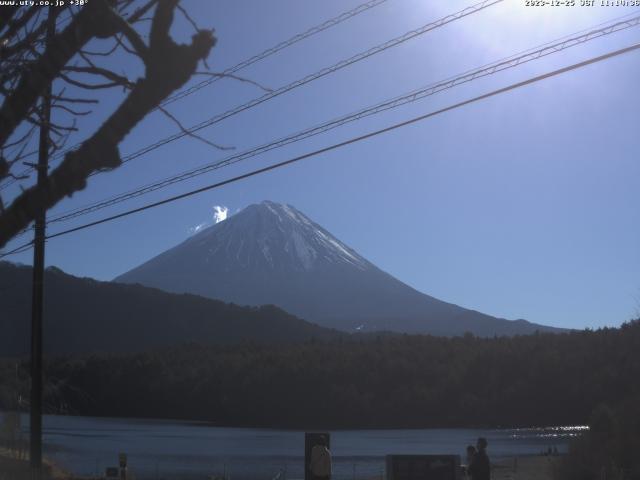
112, 472
422, 467
311, 440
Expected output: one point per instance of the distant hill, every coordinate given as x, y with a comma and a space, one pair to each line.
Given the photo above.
85, 315
271, 253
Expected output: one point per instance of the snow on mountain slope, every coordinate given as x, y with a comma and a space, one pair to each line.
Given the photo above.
272, 236
271, 253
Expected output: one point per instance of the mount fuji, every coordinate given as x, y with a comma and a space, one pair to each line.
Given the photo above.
271, 253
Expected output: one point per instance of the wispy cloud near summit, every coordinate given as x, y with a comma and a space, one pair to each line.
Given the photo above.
220, 213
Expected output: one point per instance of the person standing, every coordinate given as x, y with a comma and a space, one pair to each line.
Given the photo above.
471, 452
480, 466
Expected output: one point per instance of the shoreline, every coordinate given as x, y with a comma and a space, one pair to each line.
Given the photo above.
209, 423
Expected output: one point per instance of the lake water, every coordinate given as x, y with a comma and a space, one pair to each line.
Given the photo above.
159, 449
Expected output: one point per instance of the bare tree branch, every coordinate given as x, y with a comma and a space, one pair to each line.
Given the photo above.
135, 16
89, 22
186, 15
17, 24
20, 139
28, 40
235, 77
71, 111
108, 74
93, 86
168, 67
191, 134
124, 46
101, 54
136, 41
6, 16
74, 100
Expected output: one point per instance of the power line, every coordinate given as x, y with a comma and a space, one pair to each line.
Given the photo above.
340, 144
314, 76
276, 48
22, 248
332, 22
335, 146
451, 82
309, 78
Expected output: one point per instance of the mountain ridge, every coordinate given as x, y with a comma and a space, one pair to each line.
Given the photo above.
272, 253
83, 315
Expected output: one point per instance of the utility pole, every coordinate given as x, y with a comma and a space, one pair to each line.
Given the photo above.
35, 446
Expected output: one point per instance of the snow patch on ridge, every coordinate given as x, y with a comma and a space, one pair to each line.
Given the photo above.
342, 250
305, 252
269, 205
307, 242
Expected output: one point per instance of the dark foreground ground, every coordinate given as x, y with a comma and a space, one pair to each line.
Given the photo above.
16, 467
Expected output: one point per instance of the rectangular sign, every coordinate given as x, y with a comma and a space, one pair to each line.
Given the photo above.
112, 472
422, 467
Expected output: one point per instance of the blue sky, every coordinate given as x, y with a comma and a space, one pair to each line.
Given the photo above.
521, 206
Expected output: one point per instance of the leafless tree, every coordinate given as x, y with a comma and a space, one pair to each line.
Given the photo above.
29, 63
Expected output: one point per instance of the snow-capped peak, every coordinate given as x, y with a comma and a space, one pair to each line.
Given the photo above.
308, 241
277, 236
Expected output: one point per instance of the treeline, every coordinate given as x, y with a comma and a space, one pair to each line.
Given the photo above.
388, 381
610, 449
